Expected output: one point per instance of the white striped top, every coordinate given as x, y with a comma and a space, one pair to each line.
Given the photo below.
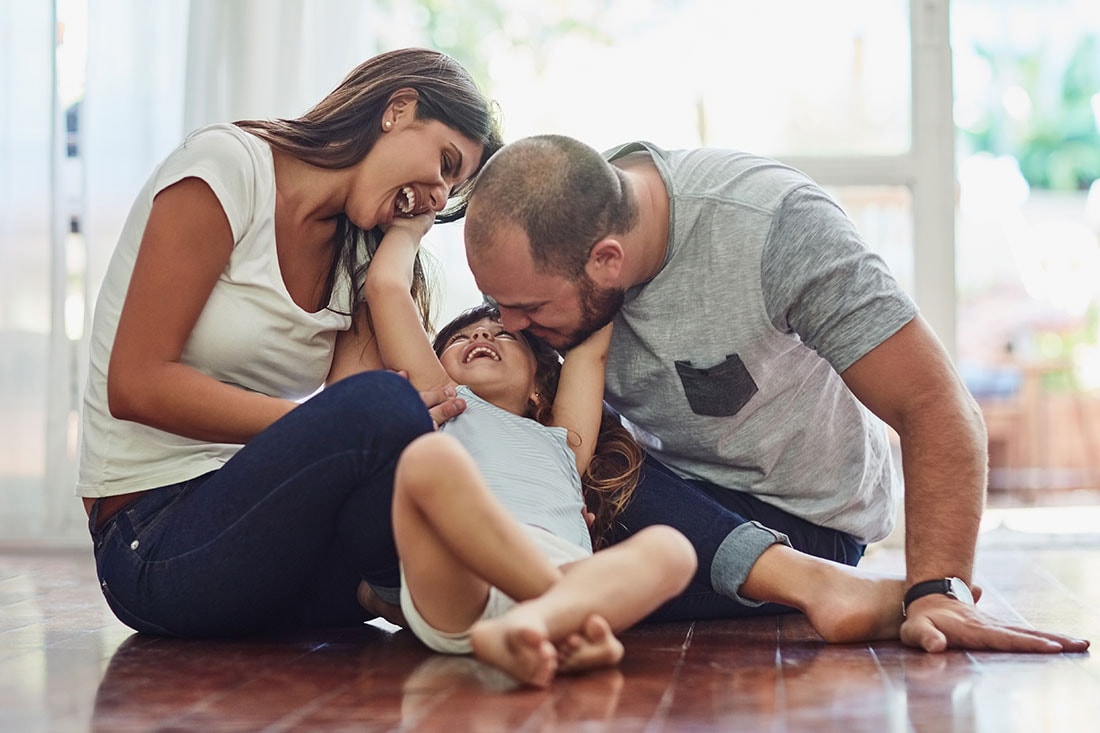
529, 467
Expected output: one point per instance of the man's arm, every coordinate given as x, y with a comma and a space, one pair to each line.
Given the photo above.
910, 382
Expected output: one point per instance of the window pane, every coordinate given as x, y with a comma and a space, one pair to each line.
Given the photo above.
884, 216
1027, 80
789, 77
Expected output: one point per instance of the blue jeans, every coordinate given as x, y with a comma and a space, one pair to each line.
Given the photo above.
707, 514
280, 536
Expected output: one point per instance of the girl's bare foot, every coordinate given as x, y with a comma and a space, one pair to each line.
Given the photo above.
594, 645
518, 644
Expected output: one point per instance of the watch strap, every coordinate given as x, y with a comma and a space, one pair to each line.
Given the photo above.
950, 587
927, 588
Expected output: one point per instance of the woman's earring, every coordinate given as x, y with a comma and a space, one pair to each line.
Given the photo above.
387, 124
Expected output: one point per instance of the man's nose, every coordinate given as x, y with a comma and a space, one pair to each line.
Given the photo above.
513, 320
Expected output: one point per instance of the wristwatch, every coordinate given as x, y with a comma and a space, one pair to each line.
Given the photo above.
950, 587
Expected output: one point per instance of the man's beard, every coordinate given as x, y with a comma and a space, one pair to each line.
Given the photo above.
598, 308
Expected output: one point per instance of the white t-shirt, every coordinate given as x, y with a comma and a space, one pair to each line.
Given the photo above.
250, 333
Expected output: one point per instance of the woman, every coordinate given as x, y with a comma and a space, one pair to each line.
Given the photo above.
220, 502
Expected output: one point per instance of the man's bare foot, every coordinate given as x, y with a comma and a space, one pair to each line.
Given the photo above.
594, 645
519, 644
860, 606
369, 600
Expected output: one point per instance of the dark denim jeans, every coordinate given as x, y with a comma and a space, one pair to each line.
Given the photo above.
706, 514
279, 537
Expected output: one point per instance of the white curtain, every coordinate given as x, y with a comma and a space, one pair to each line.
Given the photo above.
270, 58
27, 116
154, 71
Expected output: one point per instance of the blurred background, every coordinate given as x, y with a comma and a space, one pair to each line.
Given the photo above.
963, 138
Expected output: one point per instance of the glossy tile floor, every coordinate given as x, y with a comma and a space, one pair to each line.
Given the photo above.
67, 665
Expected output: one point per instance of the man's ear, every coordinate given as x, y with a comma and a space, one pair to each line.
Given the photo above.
402, 104
605, 263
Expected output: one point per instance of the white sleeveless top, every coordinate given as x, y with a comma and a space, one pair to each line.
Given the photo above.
250, 334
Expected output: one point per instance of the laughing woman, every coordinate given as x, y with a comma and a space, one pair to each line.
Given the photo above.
222, 498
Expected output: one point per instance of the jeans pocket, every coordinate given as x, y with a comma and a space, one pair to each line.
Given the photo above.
123, 614
717, 391
143, 521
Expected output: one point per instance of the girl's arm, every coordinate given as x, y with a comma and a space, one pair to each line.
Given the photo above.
356, 350
402, 341
578, 406
185, 247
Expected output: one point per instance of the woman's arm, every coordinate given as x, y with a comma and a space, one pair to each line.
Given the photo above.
185, 248
402, 342
578, 406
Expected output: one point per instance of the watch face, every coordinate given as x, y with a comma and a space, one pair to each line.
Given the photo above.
961, 591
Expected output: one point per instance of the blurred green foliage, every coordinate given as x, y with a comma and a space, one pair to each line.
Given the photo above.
1058, 143
460, 29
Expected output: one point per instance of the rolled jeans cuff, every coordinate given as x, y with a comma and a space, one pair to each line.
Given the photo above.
737, 554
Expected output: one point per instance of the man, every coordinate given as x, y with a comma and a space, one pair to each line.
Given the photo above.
755, 334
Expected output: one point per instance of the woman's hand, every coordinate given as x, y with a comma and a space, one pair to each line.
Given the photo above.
442, 402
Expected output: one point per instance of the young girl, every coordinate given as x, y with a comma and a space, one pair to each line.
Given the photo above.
489, 512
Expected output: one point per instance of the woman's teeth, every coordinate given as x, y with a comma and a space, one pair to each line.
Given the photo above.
406, 200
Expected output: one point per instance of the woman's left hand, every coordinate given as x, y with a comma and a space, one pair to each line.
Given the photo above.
443, 403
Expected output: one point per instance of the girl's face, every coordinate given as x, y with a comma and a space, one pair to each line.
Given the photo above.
497, 365
412, 169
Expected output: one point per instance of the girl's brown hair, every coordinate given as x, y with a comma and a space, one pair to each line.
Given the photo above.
342, 128
616, 464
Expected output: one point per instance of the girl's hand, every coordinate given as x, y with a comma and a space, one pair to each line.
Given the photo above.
417, 226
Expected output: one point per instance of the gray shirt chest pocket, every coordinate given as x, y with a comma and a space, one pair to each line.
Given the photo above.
717, 391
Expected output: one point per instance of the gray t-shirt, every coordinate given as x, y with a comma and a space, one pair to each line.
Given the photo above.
726, 363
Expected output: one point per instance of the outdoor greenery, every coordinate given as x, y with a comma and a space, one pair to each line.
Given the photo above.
461, 29
1057, 143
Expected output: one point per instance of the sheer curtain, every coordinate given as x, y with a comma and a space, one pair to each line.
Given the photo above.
27, 115
152, 72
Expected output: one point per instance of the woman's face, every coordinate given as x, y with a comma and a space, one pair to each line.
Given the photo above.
497, 365
412, 169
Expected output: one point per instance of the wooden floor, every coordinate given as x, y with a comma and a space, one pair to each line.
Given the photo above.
67, 665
